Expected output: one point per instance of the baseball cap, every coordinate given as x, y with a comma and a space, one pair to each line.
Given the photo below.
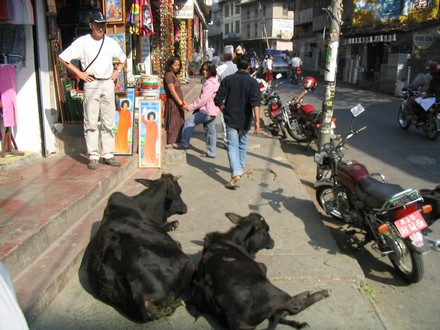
97, 18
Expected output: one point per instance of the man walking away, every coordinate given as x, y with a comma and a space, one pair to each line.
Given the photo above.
238, 98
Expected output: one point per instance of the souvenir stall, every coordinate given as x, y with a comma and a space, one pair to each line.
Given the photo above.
149, 31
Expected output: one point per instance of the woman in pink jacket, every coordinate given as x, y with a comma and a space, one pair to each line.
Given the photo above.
205, 111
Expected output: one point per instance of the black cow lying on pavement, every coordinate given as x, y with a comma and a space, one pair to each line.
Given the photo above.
232, 286
134, 265
161, 200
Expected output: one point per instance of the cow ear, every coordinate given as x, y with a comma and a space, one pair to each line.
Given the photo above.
147, 183
235, 218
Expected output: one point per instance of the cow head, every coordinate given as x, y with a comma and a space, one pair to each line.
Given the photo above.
251, 231
174, 203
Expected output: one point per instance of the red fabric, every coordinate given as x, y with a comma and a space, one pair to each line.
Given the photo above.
3, 10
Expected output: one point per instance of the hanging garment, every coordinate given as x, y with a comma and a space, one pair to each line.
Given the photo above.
20, 12
8, 81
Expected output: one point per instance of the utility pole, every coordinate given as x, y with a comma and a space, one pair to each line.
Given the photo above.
331, 55
263, 22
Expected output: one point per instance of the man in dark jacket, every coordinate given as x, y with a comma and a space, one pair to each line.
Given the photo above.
238, 97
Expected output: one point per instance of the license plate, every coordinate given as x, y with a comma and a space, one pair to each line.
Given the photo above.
410, 224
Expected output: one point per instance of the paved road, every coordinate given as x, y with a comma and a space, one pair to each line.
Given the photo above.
405, 157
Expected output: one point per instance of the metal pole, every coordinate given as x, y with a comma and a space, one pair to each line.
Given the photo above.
263, 21
335, 13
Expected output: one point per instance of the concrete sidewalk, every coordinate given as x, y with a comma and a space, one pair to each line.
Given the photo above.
305, 256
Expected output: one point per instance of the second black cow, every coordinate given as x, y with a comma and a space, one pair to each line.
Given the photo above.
232, 286
134, 265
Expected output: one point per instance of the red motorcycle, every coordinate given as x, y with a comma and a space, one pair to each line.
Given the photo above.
384, 213
304, 120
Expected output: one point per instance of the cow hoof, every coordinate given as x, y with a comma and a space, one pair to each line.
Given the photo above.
170, 226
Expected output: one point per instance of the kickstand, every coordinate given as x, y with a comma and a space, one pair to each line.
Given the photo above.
9, 147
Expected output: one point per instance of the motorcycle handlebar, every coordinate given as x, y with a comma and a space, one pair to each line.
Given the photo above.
360, 130
349, 136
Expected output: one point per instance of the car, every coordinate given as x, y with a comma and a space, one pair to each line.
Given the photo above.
280, 65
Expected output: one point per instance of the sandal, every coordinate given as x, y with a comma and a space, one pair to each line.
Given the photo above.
180, 146
231, 186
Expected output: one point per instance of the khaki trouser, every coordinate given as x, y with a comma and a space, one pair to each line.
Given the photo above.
99, 118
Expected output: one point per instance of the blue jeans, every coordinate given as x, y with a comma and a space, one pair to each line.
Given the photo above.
237, 148
208, 123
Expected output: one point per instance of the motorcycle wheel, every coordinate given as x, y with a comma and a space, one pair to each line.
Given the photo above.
295, 130
431, 128
330, 200
408, 263
402, 117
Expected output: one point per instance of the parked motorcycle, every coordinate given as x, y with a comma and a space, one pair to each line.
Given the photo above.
296, 75
384, 213
276, 111
428, 114
304, 120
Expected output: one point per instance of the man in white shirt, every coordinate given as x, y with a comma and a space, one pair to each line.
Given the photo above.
295, 62
227, 68
96, 52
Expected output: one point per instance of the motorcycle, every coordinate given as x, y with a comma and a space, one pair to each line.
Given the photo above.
428, 114
276, 111
305, 121
386, 214
296, 75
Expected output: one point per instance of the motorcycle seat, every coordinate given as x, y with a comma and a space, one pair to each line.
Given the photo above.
374, 193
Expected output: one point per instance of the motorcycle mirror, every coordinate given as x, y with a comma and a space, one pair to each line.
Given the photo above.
357, 110
278, 76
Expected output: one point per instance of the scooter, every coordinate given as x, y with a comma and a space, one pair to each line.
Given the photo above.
426, 110
387, 214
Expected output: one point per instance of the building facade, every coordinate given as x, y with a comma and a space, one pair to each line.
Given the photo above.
257, 25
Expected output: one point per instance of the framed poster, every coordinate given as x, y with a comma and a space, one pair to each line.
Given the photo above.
150, 123
113, 11
119, 38
120, 83
124, 124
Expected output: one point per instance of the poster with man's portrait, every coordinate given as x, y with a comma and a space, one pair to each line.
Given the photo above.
150, 124
124, 127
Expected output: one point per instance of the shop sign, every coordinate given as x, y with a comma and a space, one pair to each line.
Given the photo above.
184, 9
423, 39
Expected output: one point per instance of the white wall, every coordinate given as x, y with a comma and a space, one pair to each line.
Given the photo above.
27, 132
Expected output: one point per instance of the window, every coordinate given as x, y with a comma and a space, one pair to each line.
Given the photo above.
256, 30
227, 28
248, 14
285, 9
248, 31
226, 11
237, 10
237, 27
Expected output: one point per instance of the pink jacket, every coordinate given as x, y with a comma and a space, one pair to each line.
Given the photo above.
205, 102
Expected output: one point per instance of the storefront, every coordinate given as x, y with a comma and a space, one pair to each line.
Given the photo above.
150, 31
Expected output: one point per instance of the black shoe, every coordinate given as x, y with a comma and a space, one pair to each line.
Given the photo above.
93, 164
111, 161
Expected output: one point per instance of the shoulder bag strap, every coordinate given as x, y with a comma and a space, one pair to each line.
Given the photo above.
99, 51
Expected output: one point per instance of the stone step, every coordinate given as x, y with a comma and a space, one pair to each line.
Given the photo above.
62, 210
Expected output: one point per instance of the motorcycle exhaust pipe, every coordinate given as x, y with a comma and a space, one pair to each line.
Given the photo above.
434, 243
